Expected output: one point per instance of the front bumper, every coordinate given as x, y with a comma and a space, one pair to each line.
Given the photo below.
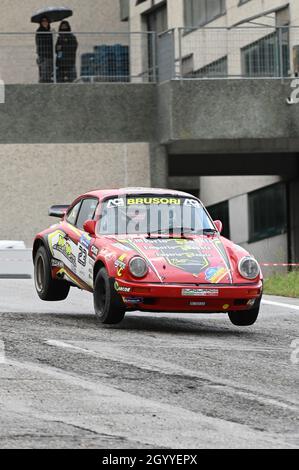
189, 297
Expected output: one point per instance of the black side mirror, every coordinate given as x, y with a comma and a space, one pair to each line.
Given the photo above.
58, 211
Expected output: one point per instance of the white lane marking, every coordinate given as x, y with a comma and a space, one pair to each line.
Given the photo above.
116, 354
280, 304
182, 424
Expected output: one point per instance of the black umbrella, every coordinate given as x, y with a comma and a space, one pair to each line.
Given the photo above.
52, 13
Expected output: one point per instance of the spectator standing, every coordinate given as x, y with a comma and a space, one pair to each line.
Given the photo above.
44, 49
66, 50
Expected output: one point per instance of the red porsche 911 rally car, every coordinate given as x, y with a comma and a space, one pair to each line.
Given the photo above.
145, 250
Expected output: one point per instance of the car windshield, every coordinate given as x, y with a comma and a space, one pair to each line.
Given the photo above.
153, 214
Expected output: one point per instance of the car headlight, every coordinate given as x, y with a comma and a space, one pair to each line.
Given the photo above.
138, 267
249, 268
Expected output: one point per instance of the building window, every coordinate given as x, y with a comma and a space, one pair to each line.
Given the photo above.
241, 2
157, 19
200, 12
267, 212
221, 212
124, 10
267, 57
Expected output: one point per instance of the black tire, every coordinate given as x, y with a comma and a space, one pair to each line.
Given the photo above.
47, 288
108, 304
247, 317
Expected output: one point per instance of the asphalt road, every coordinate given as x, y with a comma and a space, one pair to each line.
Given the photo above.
155, 381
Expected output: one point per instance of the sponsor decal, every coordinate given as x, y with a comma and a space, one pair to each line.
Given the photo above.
85, 240
55, 263
65, 248
119, 288
182, 254
94, 251
200, 292
133, 300
118, 202
198, 304
216, 274
120, 265
82, 256
225, 306
191, 203
221, 250
152, 200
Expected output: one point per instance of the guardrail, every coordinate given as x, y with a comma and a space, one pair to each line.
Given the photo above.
184, 53
51, 57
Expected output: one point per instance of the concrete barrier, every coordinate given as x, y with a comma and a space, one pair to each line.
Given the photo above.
16, 264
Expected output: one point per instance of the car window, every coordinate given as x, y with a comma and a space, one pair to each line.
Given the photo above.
73, 213
87, 211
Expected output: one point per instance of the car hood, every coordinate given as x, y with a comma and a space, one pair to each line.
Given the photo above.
202, 259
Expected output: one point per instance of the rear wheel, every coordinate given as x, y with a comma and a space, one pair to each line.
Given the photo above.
108, 304
245, 318
47, 288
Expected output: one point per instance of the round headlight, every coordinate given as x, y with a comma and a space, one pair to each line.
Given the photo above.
249, 268
138, 267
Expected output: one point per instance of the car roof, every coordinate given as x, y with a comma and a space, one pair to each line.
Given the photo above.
106, 193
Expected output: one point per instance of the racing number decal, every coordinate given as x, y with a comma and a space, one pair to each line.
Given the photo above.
82, 256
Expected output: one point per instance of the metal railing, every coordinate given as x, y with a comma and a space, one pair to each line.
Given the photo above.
185, 54
240, 52
77, 57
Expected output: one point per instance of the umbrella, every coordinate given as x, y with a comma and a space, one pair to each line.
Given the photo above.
52, 13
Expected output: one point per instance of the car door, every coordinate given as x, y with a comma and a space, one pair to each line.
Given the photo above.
71, 244
84, 261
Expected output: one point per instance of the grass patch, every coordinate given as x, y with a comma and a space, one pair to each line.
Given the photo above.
286, 285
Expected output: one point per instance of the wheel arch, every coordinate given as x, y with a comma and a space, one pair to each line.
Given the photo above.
38, 242
98, 265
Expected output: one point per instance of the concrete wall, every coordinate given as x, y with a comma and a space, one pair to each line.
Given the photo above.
227, 109
78, 113
35, 176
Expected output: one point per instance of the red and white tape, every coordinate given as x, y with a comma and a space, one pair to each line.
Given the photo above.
279, 264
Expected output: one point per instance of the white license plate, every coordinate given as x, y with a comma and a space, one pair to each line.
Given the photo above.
200, 292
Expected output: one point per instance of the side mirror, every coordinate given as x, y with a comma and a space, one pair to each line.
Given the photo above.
90, 227
218, 225
58, 211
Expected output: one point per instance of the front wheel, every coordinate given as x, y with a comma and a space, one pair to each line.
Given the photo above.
47, 288
245, 318
108, 304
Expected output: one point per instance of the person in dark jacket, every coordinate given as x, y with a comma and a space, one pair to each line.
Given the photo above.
44, 49
66, 50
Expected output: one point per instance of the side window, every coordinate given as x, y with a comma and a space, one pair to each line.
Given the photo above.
72, 215
87, 211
